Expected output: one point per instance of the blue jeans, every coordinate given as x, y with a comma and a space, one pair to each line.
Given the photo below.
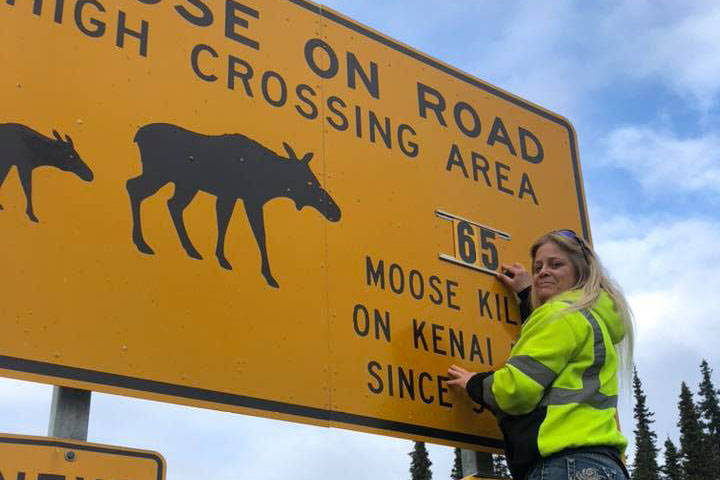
577, 466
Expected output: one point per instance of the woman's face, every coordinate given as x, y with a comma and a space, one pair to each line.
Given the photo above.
553, 272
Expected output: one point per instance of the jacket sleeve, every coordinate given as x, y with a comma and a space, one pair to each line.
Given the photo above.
525, 305
546, 345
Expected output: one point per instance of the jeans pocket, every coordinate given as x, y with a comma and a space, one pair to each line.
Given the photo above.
588, 468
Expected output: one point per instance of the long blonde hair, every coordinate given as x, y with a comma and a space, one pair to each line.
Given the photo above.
592, 278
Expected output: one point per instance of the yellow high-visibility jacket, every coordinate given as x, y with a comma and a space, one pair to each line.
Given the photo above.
558, 390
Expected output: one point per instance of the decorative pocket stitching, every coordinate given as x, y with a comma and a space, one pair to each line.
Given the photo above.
570, 462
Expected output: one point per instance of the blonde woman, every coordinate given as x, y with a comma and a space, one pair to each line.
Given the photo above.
556, 397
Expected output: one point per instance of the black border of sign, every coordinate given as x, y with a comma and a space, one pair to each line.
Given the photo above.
53, 442
192, 393
224, 398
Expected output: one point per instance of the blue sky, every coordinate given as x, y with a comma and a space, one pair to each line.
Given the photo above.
640, 81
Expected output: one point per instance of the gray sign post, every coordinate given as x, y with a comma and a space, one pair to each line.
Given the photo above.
476, 462
69, 413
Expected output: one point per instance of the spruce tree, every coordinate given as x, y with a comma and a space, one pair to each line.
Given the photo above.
420, 464
709, 405
710, 419
646, 466
500, 467
691, 438
672, 469
457, 471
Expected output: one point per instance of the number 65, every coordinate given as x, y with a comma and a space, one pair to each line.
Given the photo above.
469, 238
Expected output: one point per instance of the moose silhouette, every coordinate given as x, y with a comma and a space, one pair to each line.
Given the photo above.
27, 149
231, 167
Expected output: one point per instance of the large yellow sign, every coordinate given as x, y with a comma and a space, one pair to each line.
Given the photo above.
264, 207
44, 458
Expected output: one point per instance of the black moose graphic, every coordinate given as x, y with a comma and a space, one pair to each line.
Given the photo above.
25, 148
231, 167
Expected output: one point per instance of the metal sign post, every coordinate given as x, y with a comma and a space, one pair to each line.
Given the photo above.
69, 413
476, 462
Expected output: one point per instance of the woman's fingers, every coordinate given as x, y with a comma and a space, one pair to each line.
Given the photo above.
455, 371
514, 276
458, 376
504, 279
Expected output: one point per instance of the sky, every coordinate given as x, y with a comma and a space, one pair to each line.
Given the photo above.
640, 81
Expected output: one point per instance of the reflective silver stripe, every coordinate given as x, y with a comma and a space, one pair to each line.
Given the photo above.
533, 369
590, 393
488, 397
564, 396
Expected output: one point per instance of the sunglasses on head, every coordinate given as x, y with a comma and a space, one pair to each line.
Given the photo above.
567, 233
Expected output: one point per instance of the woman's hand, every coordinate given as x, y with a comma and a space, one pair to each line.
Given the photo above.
514, 277
459, 376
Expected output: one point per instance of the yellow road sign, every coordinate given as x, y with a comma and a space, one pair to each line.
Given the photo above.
264, 208
55, 459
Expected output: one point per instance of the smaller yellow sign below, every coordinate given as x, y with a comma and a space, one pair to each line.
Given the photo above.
47, 458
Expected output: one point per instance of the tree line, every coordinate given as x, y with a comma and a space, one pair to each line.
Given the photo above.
420, 465
696, 457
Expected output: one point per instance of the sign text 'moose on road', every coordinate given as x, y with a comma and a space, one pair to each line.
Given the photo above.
264, 207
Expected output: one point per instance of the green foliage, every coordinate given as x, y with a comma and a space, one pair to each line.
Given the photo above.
709, 407
500, 467
710, 420
646, 467
420, 463
457, 471
691, 438
672, 469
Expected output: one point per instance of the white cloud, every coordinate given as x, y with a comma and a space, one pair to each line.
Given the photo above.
24, 407
684, 51
562, 53
664, 163
656, 254
540, 55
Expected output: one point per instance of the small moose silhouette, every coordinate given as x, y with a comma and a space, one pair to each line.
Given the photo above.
230, 167
27, 149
